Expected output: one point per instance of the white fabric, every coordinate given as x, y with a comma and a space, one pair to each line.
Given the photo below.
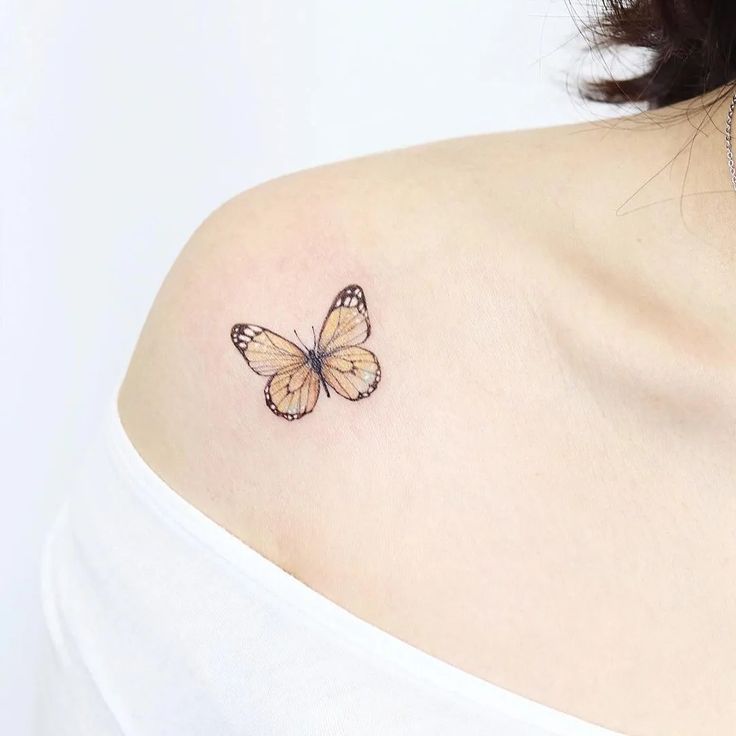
161, 622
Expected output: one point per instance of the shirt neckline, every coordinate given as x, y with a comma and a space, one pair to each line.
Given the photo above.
359, 633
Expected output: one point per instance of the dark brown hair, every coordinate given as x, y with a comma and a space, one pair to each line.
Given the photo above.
691, 48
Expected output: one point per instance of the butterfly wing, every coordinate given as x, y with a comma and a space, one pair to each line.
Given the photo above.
266, 352
293, 386
347, 321
292, 394
352, 371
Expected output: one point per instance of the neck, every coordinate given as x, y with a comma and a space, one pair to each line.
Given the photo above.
689, 140
665, 210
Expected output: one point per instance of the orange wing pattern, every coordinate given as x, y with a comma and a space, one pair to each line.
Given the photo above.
337, 359
352, 371
266, 352
347, 321
293, 388
292, 394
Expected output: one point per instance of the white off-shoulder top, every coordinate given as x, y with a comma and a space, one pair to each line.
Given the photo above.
162, 623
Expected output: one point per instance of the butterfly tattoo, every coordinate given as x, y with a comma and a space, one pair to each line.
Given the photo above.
336, 361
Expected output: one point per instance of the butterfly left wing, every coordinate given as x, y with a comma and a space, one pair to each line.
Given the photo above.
293, 386
292, 394
266, 352
352, 371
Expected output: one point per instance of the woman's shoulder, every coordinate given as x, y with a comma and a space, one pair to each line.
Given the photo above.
532, 379
469, 255
444, 239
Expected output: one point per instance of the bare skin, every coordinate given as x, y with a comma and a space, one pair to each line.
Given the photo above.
542, 490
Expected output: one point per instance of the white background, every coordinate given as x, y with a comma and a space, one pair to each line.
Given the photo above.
122, 125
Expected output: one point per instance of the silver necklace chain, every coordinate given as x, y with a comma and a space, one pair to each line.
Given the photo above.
729, 149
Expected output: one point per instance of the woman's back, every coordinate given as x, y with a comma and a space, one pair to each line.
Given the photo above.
540, 492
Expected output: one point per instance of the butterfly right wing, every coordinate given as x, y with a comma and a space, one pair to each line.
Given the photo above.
293, 386
347, 321
352, 371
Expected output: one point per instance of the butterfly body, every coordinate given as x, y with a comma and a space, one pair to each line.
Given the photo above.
337, 360
315, 361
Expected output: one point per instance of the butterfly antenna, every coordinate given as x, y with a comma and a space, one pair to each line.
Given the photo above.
314, 335
300, 340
